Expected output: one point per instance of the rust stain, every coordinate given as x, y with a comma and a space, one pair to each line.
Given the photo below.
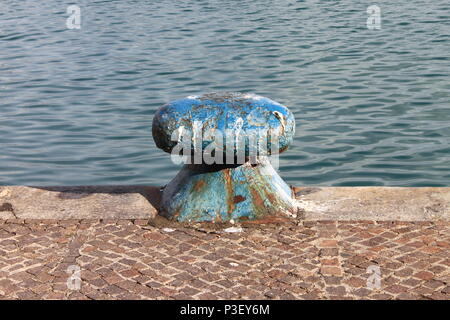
229, 186
271, 197
218, 218
199, 185
258, 202
238, 199
283, 148
267, 220
176, 213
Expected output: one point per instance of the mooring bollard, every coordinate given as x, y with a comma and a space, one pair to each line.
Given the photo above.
225, 140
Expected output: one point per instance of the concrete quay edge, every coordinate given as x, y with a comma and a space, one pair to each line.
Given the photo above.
141, 202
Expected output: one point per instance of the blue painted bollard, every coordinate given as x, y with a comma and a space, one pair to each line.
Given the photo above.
224, 141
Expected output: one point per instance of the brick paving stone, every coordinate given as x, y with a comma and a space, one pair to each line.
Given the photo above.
129, 259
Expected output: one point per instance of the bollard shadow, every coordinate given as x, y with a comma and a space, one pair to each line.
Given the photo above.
150, 193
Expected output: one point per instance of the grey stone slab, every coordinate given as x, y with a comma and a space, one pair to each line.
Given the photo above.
374, 203
84, 202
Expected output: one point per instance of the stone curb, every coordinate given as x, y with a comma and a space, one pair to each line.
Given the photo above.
140, 202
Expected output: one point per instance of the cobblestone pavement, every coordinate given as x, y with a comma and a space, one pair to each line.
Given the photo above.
127, 259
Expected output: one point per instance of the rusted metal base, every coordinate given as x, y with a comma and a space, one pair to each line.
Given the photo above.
223, 193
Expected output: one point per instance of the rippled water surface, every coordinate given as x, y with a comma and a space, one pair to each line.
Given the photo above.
372, 106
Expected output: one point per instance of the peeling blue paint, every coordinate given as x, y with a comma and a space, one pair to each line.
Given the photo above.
221, 111
224, 192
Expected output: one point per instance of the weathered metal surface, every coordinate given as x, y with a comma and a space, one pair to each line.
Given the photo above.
238, 191
242, 113
245, 192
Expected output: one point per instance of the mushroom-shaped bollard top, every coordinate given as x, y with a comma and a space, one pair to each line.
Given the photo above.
242, 115
246, 189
